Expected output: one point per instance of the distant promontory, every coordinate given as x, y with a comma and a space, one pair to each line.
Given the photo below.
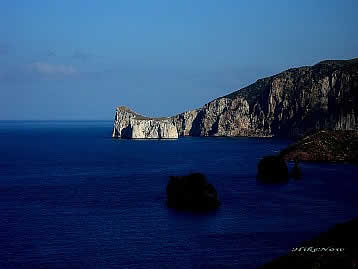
289, 104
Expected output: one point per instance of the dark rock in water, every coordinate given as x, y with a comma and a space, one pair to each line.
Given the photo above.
325, 146
272, 169
191, 192
337, 248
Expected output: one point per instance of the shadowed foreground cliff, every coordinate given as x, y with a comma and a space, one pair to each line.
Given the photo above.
336, 248
325, 145
292, 103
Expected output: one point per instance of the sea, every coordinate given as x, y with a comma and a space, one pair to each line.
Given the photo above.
71, 196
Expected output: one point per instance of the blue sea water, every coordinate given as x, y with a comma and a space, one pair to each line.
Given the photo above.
73, 197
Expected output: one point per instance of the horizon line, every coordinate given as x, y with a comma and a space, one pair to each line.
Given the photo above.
7, 120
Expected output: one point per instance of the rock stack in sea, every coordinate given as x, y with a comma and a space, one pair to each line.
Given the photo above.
128, 124
191, 192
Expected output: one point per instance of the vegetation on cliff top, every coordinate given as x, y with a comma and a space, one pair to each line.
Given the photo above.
138, 116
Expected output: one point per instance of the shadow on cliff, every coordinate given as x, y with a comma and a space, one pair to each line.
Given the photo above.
127, 132
197, 124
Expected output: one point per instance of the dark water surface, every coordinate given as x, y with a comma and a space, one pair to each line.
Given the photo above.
73, 197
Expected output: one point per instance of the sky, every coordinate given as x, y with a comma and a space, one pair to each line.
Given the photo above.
79, 60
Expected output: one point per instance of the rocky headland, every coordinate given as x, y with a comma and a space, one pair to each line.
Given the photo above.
324, 146
289, 104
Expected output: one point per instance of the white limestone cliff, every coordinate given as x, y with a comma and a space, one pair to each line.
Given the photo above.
128, 124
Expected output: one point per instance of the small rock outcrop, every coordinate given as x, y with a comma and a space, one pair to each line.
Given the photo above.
191, 192
325, 146
272, 169
128, 124
290, 104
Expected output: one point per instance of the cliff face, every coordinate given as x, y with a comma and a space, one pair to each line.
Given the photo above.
128, 124
324, 96
292, 103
